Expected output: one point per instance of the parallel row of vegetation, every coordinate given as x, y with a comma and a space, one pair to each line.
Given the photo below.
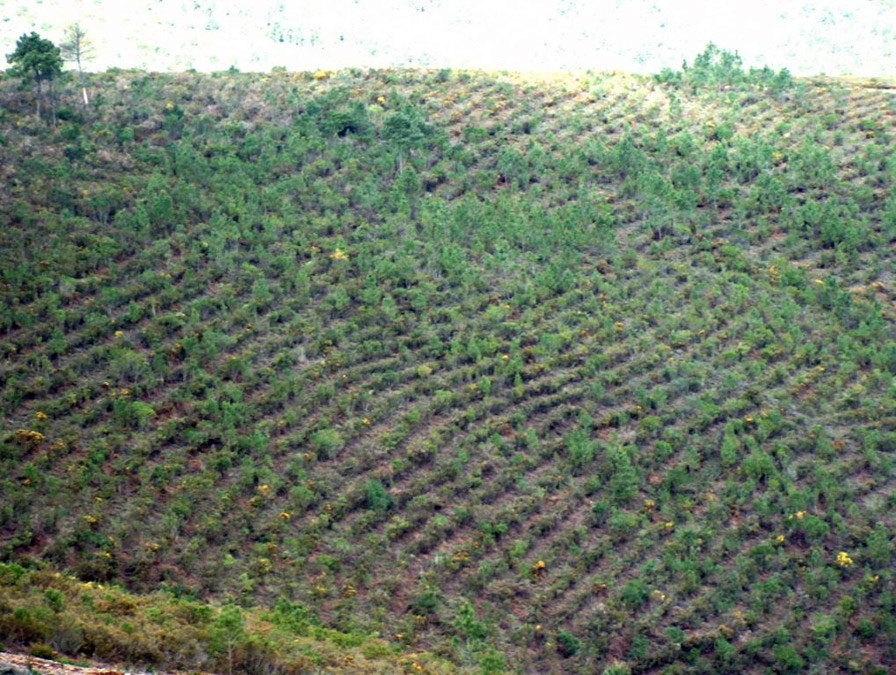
541, 376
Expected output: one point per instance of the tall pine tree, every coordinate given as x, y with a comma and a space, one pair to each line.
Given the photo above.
38, 60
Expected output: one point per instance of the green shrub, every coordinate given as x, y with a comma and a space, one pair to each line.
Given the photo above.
788, 660
581, 450
568, 645
492, 662
327, 442
55, 599
352, 121
617, 668
23, 626
634, 593
378, 498
42, 651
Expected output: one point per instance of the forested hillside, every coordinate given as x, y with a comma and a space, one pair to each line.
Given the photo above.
538, 375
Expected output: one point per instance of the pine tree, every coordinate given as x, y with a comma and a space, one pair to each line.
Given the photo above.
39, 60
77, 47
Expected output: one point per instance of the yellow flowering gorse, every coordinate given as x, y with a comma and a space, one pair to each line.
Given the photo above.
843, 559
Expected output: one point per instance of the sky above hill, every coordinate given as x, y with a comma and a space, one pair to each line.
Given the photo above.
833, 37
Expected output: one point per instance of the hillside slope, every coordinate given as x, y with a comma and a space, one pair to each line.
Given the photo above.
553, 375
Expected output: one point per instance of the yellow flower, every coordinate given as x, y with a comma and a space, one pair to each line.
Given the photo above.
843, 559
30, 436
41, 416
800, 515
780, 539
381, 100
339, 254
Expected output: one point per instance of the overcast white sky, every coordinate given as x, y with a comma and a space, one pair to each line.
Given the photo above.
828, 36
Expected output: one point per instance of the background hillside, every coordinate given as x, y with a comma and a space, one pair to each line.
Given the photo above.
558, 375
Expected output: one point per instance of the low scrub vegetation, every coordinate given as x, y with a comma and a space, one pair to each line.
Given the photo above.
583, 374
60, 617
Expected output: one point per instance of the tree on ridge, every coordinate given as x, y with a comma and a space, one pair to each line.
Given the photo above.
37, 59
77, 47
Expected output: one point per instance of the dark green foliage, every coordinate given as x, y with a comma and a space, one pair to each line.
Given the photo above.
353, 121
568, 644
787, 660
626, 158
405, 130
623, 476
326, 441
467, 625
634, 593
880, 547
228, 634
718, 69
55, 599
378, 498
41, 651
581, 450
37, 59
